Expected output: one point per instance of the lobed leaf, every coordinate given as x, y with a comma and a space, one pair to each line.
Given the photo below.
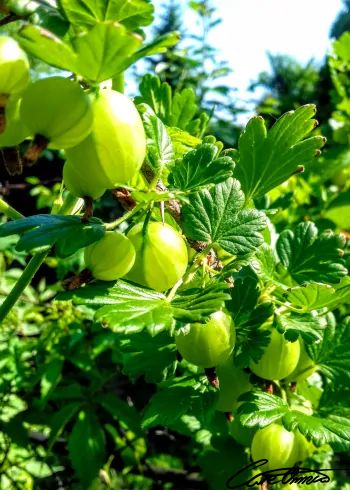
216, 216
200, 168
310, 256
268, 158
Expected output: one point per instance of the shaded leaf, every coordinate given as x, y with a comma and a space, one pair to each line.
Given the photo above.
124, 305
68, 233
151, 356
86, 445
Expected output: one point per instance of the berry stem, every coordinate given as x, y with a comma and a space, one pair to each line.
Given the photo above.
26, 277
2, 120
28, 273
126, 216
38, 145
9, 211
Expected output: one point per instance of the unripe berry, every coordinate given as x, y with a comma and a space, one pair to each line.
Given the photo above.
117, 143
161, 256
207, 344
58, 111
14, 67
279, 358
14, 73
111, 257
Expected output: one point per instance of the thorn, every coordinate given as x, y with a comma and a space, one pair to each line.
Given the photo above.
12, 160
316, 123
212, 377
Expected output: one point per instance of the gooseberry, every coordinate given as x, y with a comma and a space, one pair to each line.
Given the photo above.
241, 434
279, 359
207, 344
233, 382
117, 143
14, 73
15, 131
305, 367
277, 445
87, 183
57, 111
14, 67
161, 255
111, 257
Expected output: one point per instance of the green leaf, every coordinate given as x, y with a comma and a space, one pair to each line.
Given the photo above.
195, 305
339, 211
332, 430
179, 110
175, 399
121, 411
309, 256
105, 51
309, 327
221, 460
216, 216
86, 446
132, 13
199, 168
264, 262
68, 233
160, 152
125, 306
260, 409
248, 316
60, 419
49, 48
159, 45
314, 296
153, 357
332, 354
269, 158
50, 377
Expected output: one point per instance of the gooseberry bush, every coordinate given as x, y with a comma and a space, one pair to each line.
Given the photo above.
205, 324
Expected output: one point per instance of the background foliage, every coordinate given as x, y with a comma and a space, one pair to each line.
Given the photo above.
89, 407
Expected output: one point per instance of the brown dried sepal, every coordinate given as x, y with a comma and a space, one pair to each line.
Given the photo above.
77, 281
38, 145
88, 209
124, 197
229, 416
12, 160
212, 377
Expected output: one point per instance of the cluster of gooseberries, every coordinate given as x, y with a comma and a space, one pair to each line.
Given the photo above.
104, 141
